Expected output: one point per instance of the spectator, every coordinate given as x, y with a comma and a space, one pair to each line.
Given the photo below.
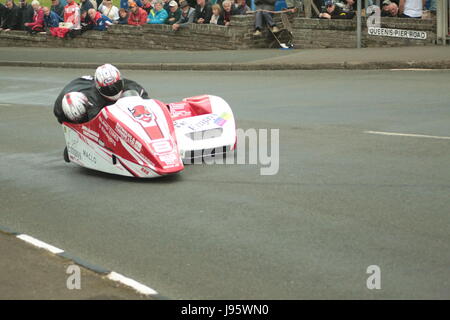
26, 13
228, 11
411, 8
123, 16
51, 18
241, 7
72, 21
108, 9
125, 4
191, 3
334, 12
2, 12
263, 15
203, 12
349, 5
389, 9
174, 13
85, 5
166, 5
158, 15
98, 21
137, 16
57, 7
147, 6
294, 6
37, 25
187, 16
11, 18
217, 16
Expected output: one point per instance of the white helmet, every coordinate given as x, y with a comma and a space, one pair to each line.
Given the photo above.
109, 81
74, 106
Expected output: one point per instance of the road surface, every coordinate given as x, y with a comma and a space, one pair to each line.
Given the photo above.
343, 199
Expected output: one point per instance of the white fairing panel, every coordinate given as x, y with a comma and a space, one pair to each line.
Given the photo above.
208, 131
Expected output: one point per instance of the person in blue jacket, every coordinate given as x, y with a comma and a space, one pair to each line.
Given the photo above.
157, 15
51, 18
98, 21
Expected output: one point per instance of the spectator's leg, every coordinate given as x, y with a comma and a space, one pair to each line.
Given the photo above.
268, 18
258, 20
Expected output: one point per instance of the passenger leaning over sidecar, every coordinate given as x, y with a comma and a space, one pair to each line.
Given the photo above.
83, 98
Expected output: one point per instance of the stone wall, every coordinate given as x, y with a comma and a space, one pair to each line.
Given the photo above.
322, 33
308, 33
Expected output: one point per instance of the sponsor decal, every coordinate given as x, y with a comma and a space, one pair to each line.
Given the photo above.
89, 156
202, 123
397, 33
74, 153
222, 119
90, 133
141, 113
128, 138
179, 110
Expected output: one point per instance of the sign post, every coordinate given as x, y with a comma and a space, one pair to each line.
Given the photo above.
358, 25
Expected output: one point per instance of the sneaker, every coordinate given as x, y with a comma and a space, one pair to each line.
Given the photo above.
257, 33
275, 29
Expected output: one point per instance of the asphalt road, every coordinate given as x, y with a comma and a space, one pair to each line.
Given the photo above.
342, 200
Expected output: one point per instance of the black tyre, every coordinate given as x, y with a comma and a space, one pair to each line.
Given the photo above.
66, 155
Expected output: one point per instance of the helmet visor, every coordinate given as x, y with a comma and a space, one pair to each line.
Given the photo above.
112, 90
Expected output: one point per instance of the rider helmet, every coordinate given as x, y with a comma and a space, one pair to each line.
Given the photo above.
74, 106
108, 82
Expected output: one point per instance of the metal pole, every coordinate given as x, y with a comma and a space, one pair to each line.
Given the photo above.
358, 25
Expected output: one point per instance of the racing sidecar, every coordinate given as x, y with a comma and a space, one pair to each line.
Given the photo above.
147, 138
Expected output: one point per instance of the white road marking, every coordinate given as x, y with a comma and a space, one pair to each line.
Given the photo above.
143, 289
407, 135
39, 243
415, 69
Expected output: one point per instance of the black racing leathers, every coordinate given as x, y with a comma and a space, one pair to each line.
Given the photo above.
96, 102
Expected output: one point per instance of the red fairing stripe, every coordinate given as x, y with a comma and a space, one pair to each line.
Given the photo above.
154, 132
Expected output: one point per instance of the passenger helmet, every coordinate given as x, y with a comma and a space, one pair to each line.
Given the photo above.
74, 106
108, 81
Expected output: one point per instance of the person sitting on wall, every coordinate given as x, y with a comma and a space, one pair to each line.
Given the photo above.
217, 16
411, 8
123, 16
389, 8
174, 13
37, 25
158, 15
264, 15
108, 9
138, 16
147, 5
11, 17
203, 12
51, 18
57, 7
187, 16
241, 7
334, 12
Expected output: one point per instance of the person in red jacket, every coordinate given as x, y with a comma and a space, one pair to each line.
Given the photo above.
38, 19
138, 16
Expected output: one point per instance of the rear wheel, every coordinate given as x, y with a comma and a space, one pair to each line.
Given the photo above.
66, 155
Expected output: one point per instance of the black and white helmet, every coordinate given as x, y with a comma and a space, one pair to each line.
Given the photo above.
108, 81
